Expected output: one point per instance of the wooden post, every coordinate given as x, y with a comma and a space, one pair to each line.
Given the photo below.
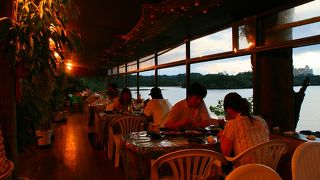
156, 80
187, 62
273, 88
273, 78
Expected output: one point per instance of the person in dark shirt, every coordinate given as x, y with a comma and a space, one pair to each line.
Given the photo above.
112, 91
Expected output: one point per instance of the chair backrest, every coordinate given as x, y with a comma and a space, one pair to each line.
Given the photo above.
128, 123
253, 172
268, 153
306, 161
188, 164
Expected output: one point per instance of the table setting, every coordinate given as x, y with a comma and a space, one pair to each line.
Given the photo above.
139, 148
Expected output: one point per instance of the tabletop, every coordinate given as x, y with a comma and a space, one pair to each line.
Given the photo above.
139, 148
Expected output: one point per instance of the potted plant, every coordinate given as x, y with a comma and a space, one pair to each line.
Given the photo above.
59, 96
41, 92
39, 36
218, 109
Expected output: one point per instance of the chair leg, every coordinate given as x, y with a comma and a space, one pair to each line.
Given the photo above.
117, 155
110, 149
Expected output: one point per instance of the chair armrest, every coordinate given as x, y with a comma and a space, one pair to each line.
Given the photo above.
231, 159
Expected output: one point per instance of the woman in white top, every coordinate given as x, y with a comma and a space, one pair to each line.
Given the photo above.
242, 130
157, 108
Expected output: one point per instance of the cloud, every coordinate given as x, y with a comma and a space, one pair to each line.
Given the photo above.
230, 66
212, 44
307, 56
308, 10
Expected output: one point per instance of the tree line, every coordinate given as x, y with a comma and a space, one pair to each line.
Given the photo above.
212, 81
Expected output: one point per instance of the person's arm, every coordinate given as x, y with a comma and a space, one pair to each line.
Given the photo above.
173, 119
201, 123
226, 138
177, 124
203, 116
226, 145
208, 122
116, 105
148, 114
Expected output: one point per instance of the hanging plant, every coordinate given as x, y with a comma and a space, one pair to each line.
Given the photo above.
40, 30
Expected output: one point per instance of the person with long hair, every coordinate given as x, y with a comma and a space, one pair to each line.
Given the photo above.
124, 103
242, 130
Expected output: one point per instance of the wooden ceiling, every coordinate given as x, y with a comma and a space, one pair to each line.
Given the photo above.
116, 32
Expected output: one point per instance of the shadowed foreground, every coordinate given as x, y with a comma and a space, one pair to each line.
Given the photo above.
69, 157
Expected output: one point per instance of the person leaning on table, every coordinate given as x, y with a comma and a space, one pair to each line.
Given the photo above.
242, 130
191, 111
156, 109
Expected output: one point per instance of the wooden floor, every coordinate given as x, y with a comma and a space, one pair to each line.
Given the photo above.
70, 156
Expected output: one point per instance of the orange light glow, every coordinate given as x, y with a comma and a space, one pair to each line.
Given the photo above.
56, 55
71, 150
69, 66
250, 45
235, 50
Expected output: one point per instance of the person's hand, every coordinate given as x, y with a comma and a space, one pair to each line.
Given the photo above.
219, 135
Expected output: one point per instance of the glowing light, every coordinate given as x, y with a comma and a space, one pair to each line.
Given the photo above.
69, 66
250, 44
56, 55
235, 50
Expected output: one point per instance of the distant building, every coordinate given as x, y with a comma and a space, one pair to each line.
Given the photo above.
302, 71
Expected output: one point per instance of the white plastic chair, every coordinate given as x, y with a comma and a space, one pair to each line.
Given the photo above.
306, 161
126, 124
268, 153
253, 172
188, 164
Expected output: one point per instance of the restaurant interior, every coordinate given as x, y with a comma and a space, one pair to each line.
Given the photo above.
113, 39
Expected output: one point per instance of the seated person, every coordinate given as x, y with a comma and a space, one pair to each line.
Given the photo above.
191, 111
242, 130
124, 103
156, 109
112, 91
139, 102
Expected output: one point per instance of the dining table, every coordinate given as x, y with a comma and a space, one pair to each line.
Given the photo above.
138, 149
